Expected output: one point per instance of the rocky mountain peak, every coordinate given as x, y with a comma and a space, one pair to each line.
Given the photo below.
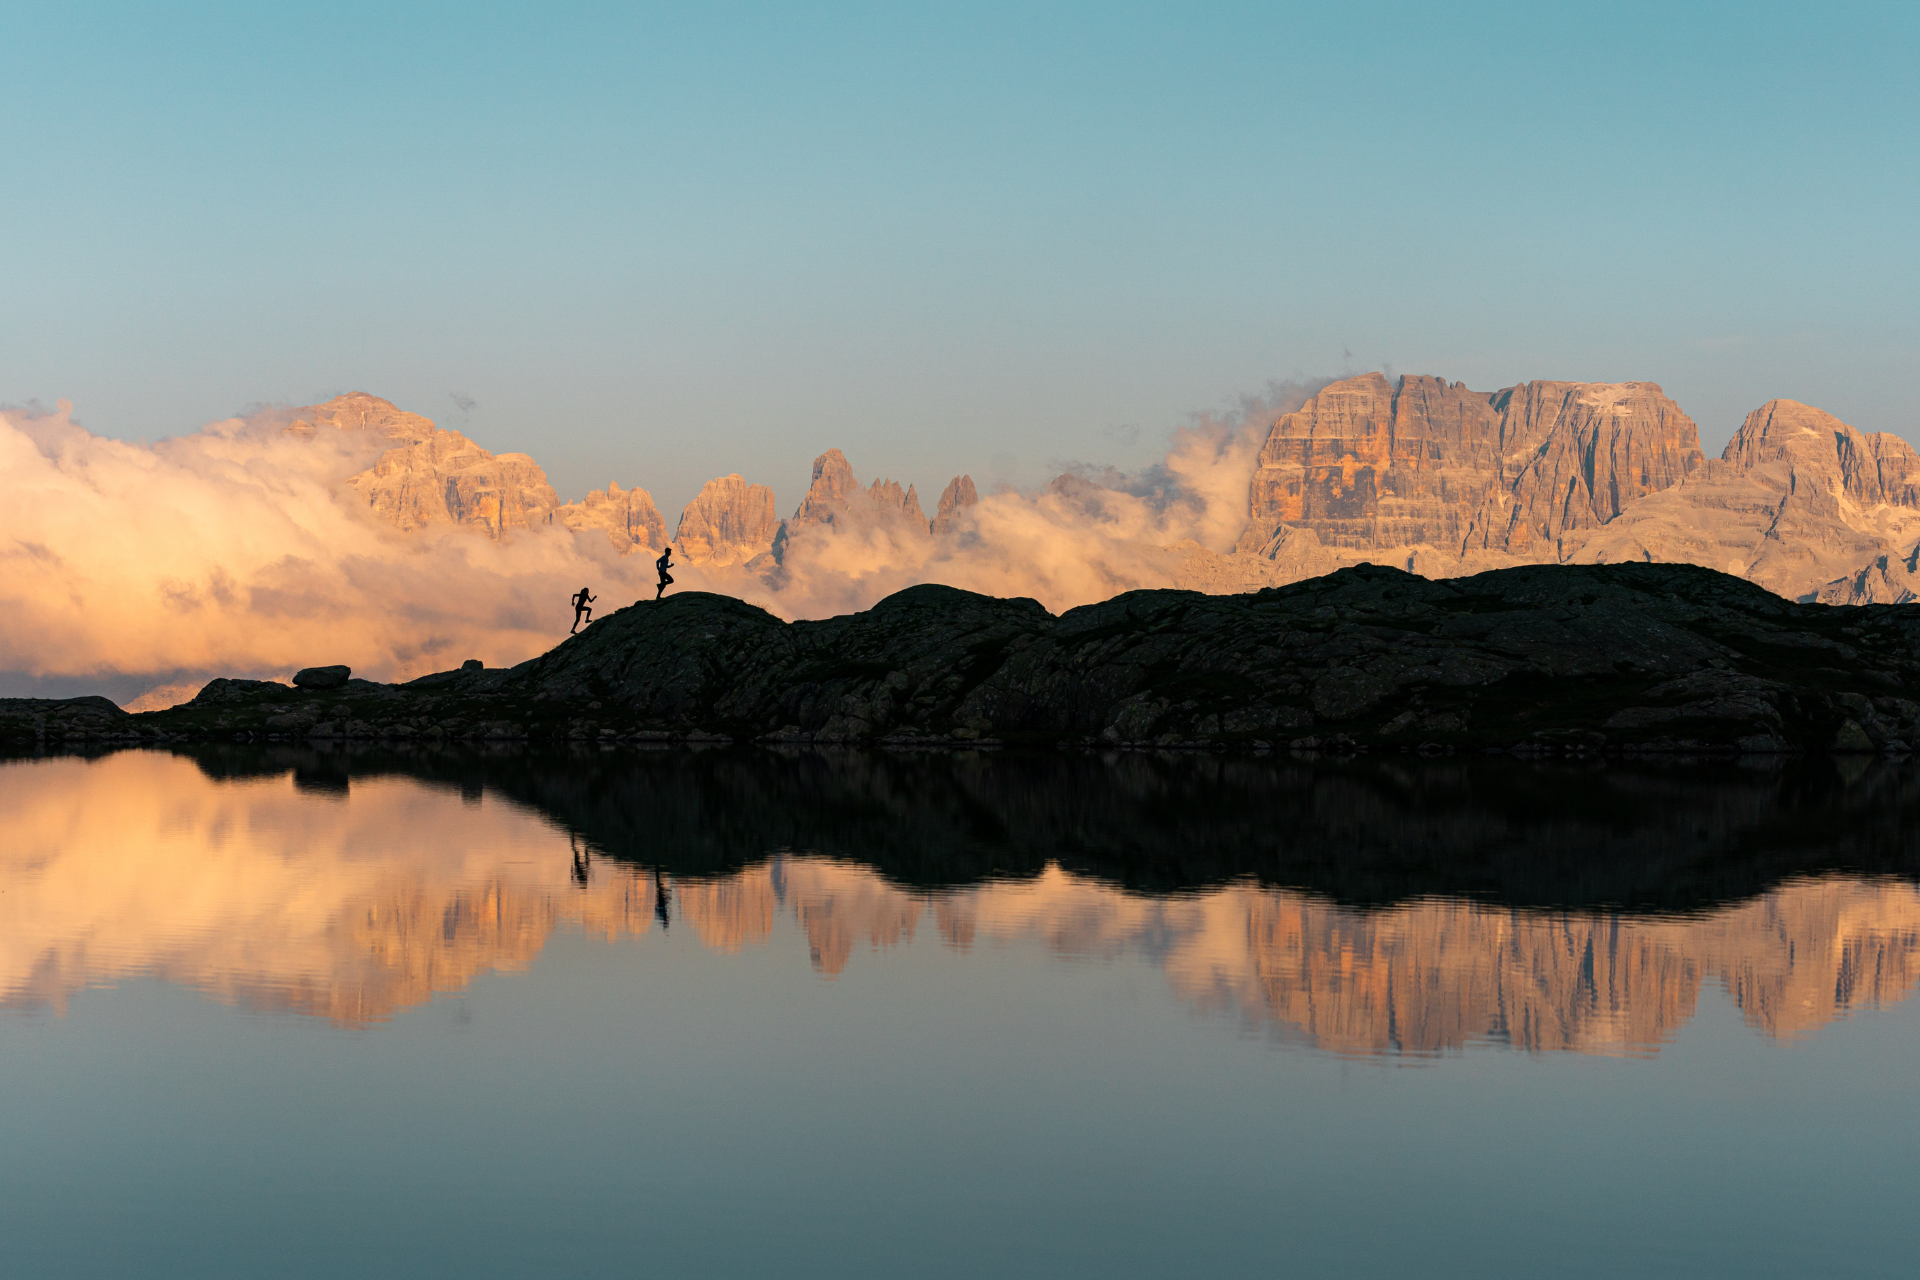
956, 497
1799, 502
886, 498
1420, 472
729, 522
1574, 454
433, 476
448, 479
627, 516
832, 491
835, 495
1425, 462
1867, 467
359, 411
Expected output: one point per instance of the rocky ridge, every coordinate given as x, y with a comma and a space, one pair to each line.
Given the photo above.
1423, 474
1626, 657
432, 476
1800, 503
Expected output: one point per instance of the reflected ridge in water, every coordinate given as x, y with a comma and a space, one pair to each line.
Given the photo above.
1363, 907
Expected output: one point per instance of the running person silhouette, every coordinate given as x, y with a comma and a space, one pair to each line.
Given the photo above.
581, 603
664, 563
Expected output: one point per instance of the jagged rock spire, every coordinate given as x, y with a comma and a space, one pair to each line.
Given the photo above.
958, 495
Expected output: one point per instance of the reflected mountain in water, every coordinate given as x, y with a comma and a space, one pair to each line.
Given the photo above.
1420, 978
1657, 836
1387, 907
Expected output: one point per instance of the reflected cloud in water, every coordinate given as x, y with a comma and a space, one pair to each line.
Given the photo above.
354, 888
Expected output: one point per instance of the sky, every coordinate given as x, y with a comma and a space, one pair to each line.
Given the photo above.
656, 244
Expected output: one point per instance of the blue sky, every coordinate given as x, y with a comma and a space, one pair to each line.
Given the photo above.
657, 244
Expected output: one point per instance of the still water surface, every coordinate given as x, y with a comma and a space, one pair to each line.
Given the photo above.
291, 1013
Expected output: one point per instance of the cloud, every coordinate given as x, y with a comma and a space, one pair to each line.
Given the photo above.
239, 550
1091, 534
231, 551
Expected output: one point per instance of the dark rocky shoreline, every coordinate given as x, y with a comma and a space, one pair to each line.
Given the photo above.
1560, 659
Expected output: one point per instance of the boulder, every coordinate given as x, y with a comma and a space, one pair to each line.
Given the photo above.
224, 690
322, 677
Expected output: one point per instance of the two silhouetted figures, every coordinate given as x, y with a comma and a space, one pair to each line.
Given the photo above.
583, 599
664, 563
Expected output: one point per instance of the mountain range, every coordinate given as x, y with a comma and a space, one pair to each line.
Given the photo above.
1417, 473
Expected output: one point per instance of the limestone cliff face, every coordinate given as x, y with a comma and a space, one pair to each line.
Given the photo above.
1868, 469
1367, 465
433, 476
1439, 480
627, 516
957, 497
448, 479
1885, 580
730, 522
1799, 502
1574, 454
1364, 464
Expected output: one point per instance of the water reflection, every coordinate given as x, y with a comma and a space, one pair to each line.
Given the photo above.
1364, 909
1421, 978
272, 897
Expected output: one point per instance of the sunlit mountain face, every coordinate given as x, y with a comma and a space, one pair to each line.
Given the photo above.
1466, 910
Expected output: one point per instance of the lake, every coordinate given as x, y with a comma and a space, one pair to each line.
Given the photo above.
735, 1012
